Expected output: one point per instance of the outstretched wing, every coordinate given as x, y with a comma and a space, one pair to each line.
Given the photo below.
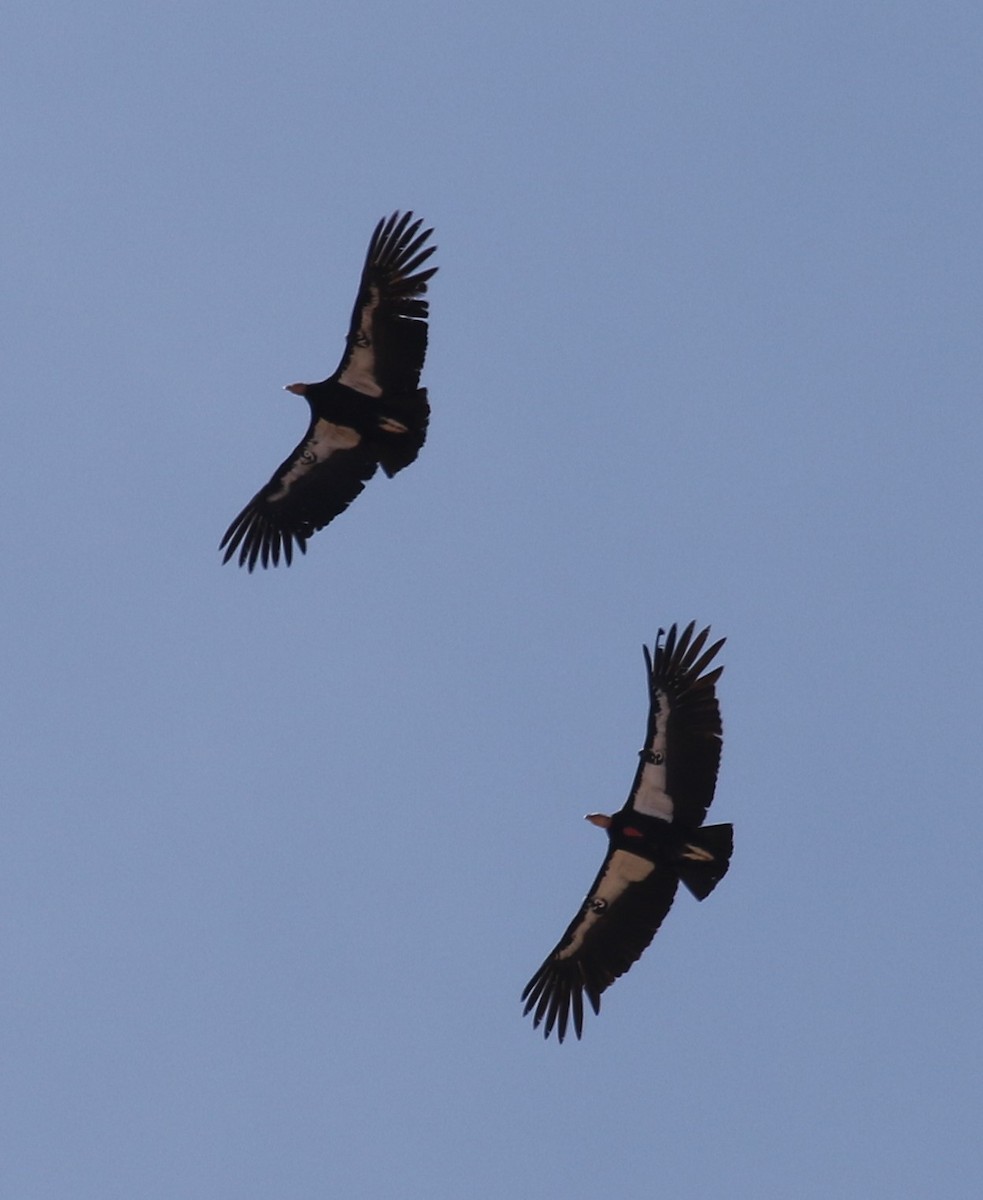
387, 340
318, 481
677, 771
619, 917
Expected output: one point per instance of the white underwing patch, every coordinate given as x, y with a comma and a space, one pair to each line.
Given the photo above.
622, 871
651, 797
359, 373
324, 441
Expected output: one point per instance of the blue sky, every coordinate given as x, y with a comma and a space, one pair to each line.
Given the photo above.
279, 852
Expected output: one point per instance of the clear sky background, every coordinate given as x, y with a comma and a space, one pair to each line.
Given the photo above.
279, 852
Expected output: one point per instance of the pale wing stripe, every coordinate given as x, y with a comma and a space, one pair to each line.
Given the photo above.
359, 373
623, 870
651, 797
325, 439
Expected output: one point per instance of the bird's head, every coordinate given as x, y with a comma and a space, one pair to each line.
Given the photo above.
298, 389
601, 820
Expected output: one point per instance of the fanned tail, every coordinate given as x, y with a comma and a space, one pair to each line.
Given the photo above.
704, 859
399, 450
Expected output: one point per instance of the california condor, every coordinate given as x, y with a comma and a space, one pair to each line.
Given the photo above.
655, 841
371, 412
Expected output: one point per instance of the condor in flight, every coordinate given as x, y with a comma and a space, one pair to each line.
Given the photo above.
371, 412
655, 841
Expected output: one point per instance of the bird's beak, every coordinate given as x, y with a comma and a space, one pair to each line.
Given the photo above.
298, 389
599, 819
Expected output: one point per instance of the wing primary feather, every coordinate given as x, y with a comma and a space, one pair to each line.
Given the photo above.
664, 652
396, 245
541, 1007
593, 993
397, 224
232, 538
527, 992
564, 1009
698, 668
711, 677
412, 263
254, 545
683, 642
412, 253
693, 650
578, 1009
376, 235
555, 1008
403, 243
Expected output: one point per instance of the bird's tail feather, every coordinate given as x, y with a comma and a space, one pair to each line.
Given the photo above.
704, 859
400, 449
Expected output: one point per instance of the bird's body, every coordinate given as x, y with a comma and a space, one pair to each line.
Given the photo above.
656, 841
371, 412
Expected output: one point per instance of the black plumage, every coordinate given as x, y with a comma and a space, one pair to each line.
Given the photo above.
656, 840
371, 412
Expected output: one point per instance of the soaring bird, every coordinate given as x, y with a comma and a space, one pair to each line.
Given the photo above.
657, 839
371, 412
